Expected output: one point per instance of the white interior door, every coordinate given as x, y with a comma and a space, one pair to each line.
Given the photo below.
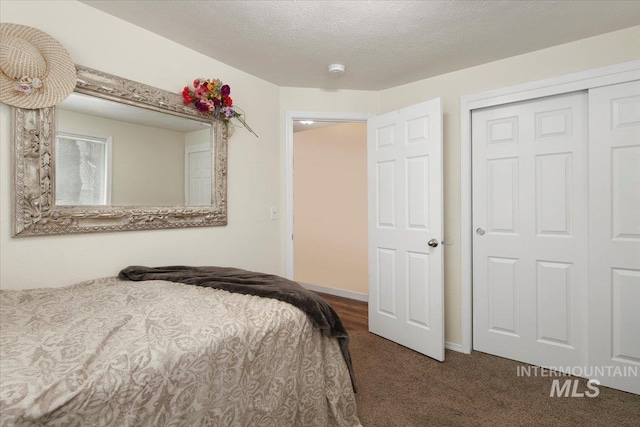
406, 287
530, 218
198, 175
614, 241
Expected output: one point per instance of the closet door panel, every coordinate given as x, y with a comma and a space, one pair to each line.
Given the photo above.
614, 234
530, 230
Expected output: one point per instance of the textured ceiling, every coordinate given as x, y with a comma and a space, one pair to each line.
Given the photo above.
382, 43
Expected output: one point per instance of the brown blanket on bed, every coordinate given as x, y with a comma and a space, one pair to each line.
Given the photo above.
240, 281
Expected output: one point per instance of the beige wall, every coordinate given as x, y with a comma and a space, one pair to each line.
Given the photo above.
147, 162
103, 42
198, 137
607, 49
340, 101
330, 207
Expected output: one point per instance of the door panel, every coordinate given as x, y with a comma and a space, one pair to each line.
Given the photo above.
418, 310
502, 197
385, 193
502, 276
386, 282
553, 302
614, 226
418, 193
530, 230
553, 194
405, 213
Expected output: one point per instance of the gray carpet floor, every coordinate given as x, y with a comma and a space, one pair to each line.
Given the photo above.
399, 387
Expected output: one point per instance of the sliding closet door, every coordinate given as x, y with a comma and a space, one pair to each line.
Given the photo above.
530, 230
614, 235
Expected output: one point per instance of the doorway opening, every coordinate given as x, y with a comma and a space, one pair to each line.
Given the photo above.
326, 209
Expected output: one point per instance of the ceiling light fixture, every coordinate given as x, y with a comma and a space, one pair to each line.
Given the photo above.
336, 69
306, 122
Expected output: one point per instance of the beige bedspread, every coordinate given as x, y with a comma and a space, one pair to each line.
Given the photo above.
156, 353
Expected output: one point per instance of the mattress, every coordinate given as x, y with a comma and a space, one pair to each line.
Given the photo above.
156, 353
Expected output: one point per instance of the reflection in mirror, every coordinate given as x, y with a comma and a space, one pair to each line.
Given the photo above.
117, 156
114, 154
84, 169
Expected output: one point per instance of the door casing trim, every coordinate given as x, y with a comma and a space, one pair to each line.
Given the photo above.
290, 116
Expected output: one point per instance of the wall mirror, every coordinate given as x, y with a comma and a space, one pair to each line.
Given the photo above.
117, 155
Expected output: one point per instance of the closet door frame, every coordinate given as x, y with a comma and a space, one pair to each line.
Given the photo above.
584, 80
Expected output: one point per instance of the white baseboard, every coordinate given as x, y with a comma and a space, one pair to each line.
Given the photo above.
337, 292
454, 347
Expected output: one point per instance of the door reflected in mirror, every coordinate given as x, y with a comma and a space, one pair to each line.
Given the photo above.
113, 154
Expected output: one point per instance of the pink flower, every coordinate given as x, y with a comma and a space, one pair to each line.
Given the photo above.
200, 92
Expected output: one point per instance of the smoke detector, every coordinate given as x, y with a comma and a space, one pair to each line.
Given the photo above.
336, 69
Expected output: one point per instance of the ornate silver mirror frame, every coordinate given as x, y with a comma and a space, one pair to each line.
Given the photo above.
35, 211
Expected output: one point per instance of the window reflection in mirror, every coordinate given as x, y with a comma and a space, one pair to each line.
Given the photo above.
84, 169
109, 153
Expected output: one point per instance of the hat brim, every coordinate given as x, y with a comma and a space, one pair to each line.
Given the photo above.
58, 82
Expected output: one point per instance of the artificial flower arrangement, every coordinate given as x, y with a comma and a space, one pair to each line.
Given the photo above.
212, 97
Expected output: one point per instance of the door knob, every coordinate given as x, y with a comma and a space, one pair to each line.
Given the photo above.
480, 231
433, 243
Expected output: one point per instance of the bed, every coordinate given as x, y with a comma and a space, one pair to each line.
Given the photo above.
159, 353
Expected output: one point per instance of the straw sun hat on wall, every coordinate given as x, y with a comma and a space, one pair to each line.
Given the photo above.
35, 70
